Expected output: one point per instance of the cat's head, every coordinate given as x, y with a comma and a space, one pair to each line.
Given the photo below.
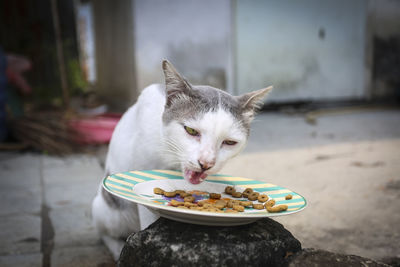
204, 126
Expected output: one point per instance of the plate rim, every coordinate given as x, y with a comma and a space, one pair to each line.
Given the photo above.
155, 206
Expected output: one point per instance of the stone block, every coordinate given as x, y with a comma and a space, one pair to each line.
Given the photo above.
16, 201
20, 234
73, 227
82, 256
322, 258
171, 243
23, 260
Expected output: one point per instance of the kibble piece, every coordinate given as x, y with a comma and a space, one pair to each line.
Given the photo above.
190, 204
189, 199
178, 192
238, 208
262, 198
176, 203
270, 203
182, 207
215, 196
253, 196
184, 194
245, 203
158, 191
202, 202
220, 204
232, 202
278, 208
229, 190
170, 194
237, 194
288, 197
207, 206
248, 191
258, 206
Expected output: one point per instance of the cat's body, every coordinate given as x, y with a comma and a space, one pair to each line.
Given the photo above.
177, 126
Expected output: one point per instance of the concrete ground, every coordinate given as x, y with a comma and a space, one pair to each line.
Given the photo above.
347, 165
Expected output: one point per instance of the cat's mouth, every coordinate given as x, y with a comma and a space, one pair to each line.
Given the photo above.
194, 177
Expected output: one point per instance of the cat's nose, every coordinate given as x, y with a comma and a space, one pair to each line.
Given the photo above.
204, 165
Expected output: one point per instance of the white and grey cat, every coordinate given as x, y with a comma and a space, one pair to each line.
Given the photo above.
195, 129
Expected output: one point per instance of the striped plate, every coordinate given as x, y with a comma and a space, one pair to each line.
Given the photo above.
137, 186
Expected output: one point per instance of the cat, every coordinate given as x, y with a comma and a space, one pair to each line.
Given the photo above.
179, 126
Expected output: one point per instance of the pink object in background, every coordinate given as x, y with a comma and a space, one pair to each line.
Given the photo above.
96, 129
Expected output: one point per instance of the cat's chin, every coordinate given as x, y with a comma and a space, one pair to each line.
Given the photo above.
194, 177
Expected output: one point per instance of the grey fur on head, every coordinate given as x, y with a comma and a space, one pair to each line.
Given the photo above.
187, 101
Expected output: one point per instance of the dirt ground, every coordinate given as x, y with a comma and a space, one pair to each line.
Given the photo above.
347, 166
352, 187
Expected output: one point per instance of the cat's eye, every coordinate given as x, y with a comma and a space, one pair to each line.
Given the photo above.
229, 142
191, 131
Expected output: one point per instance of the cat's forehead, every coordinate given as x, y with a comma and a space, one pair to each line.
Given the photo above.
202, 100
218, 123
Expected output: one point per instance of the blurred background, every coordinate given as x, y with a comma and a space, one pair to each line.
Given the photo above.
330, 128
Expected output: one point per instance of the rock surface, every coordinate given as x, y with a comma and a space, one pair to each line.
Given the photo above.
320, 258
171, 243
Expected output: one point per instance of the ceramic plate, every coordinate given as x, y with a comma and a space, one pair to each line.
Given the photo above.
137, 186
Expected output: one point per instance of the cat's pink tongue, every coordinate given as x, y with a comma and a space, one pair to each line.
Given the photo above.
195, 177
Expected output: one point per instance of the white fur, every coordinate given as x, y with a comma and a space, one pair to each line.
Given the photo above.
214, 128
141, 142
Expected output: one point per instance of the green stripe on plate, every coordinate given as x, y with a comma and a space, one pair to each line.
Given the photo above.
135, 175
119, 184
282, 195
293, 208
170, 176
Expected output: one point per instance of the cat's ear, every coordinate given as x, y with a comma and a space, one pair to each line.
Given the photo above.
176, 86
252, 102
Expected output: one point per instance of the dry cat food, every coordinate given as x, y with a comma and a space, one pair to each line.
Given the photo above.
258, 206
158, 191
216, 204
189, 199
215, 196
253, 196
238, 208
278, 208
270, 203
262, 198
248, 191
170, 194
229, 190
237, 194
184, 194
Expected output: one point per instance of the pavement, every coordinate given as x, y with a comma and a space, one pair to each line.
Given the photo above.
346, 164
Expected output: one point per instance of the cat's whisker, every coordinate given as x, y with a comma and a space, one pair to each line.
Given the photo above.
173, 144
172, 151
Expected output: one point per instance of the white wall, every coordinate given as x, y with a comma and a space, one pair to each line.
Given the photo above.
307, 49
193, 35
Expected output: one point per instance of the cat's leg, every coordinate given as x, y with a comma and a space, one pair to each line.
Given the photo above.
115, 219
146, 217
114, 245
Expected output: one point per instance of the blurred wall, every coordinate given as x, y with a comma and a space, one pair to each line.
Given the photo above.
384, 48
193, 35
307, 49
115, 70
